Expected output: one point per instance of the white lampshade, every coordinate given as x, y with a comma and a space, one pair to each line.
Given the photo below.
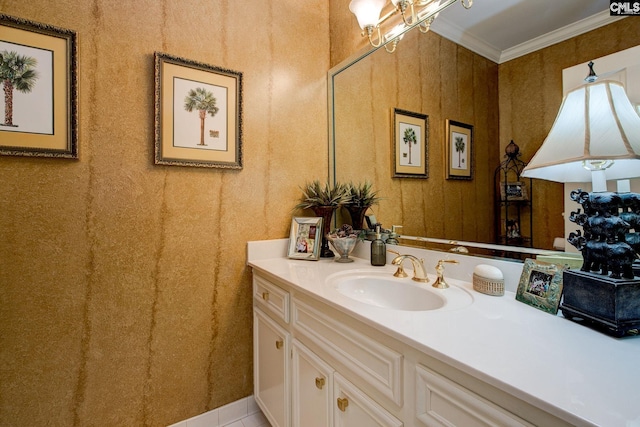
367, 11
596, 122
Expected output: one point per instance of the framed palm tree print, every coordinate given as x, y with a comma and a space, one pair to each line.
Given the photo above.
410, 144
459, 150
198, 114
38, 75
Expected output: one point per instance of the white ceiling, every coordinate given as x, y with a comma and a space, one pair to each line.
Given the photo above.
501, 30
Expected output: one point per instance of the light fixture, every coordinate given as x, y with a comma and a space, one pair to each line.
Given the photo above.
597, 132
420, 13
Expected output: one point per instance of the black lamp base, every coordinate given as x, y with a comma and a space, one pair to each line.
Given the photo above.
609, 305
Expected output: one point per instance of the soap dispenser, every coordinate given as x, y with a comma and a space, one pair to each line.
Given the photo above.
378, 250
393, 236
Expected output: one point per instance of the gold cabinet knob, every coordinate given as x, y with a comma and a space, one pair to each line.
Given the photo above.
279, 344
343, 403
265, 296
320, 382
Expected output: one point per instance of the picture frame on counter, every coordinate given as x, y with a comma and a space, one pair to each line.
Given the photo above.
198, 114
38, 70
540, 285
410, 144
305, 238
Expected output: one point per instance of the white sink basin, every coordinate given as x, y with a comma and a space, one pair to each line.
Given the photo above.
381, 289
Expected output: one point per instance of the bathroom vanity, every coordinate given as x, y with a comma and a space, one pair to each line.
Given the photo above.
333, 347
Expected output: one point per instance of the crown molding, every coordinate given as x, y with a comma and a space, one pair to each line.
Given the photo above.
565, 33
457, 35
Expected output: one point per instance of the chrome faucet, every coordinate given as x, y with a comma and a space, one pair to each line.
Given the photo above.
419, 273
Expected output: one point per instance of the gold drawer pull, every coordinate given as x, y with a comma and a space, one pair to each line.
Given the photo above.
343, 403
320, 382
279, 344
265, 296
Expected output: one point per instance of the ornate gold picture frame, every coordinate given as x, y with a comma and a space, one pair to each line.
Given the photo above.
198, 114
410, 144
38, 74
459, 150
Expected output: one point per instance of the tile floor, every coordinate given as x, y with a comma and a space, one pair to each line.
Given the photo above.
242, 413
253, 420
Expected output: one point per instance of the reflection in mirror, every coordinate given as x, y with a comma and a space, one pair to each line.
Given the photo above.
437, 78
432, 76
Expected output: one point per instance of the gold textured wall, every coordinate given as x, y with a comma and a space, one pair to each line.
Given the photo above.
530, 89
124, 295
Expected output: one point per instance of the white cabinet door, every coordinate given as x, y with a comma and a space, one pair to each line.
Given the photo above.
353, 408
271, 369
312, 387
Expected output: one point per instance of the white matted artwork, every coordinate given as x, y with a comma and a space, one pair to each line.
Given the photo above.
198, 114
459, 150
410, 144
38, 114
189, 128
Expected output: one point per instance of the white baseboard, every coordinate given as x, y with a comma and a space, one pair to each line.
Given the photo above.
223, 415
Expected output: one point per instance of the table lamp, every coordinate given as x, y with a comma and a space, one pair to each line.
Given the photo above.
595, 137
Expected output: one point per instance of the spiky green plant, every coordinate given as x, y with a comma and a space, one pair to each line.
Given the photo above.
361, 195
317, 194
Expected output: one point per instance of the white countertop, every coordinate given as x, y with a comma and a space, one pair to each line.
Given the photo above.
571, 371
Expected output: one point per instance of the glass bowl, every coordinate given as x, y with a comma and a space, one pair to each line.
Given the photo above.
343, 246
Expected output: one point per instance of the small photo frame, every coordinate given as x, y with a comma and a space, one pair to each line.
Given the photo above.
459, 150
38, 112
371, 221
198, 114
513, 191
305, 238
512, 229
540, 285
410, 144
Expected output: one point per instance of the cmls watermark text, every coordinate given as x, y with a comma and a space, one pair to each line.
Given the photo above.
624, 8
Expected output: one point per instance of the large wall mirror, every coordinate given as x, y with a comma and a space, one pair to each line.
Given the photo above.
427, 75
431, 76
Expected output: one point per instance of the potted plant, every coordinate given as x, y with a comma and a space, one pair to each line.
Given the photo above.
323, 200
361, 198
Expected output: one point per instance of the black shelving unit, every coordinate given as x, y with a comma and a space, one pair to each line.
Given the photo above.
513, 199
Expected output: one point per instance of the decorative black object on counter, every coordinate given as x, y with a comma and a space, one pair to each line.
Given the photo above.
605, 292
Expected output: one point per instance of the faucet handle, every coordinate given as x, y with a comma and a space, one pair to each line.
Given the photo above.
440, 283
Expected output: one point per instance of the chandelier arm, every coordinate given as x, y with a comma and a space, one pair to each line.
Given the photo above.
393, 45
370, 31
403, 12
425, 25
468, 4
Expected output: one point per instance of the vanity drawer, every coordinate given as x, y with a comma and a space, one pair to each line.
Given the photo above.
442, 402
271, 297
376, 364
